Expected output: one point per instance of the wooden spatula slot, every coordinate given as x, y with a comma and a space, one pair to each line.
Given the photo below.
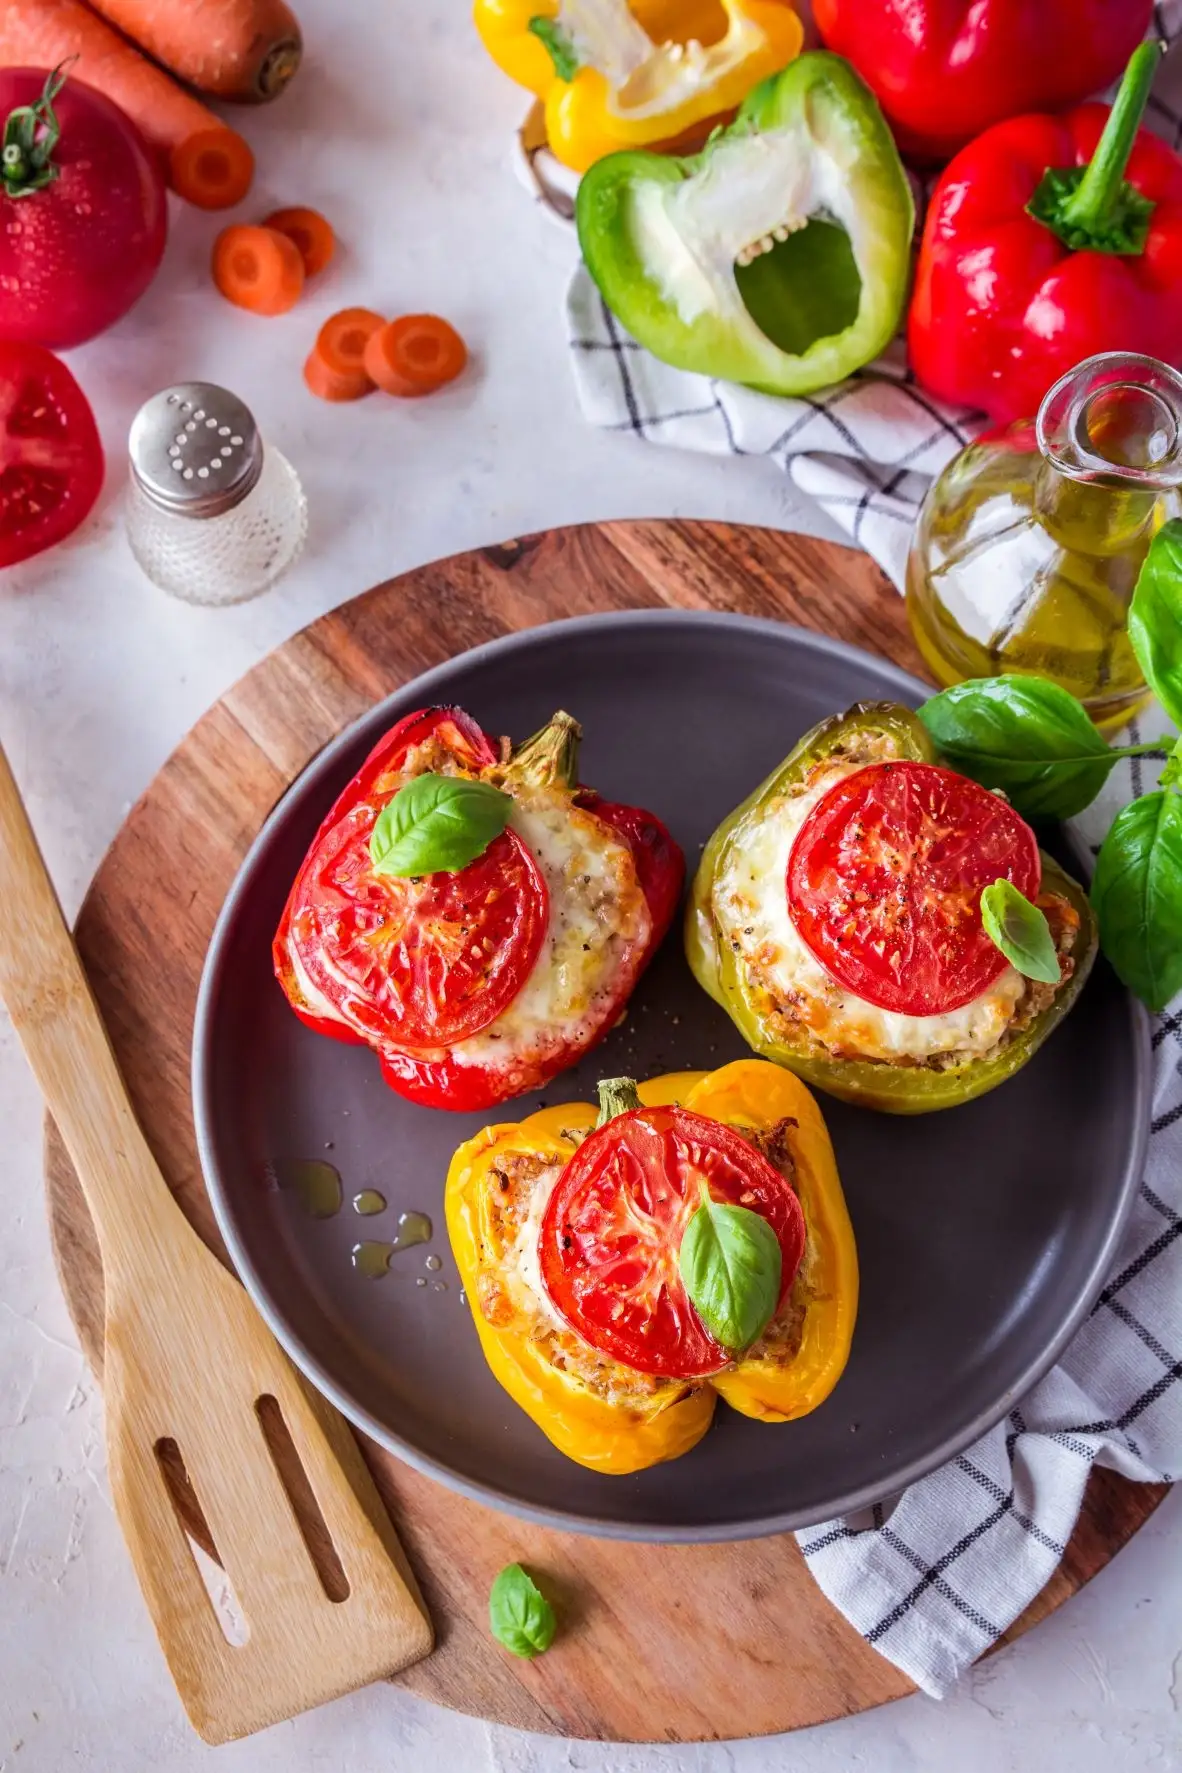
184, 1498
304, 1506
207, 1562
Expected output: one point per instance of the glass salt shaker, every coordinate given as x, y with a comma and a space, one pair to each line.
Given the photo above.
213, 517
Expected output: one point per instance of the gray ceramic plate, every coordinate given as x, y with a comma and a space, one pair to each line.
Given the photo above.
984, 1232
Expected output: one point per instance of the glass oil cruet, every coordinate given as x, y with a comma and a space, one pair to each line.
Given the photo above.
1029, 543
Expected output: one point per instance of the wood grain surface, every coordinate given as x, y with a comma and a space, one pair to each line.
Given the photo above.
659, 1643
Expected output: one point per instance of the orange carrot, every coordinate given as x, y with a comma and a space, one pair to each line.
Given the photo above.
212, 169
415, 354
342, 339
332, 384
236, 49
311, 233
257, 269
44, 33
335, 369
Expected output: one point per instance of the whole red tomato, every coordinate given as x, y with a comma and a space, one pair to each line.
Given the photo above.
83, 211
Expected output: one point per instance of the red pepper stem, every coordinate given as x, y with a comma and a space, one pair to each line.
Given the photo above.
551, 758
1093, 202
617, 1095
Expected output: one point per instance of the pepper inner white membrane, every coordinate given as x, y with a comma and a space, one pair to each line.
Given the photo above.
750, 194
644, 78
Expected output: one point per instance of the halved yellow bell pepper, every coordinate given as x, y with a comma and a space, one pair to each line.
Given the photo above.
617, 74
673, 1415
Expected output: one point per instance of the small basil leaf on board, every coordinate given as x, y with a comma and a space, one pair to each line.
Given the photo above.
1155, 618
519, 1615
1137, 896
437, 825
1021, 931
1025, 735
731, 1265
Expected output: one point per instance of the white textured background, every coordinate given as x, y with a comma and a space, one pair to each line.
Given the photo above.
398, 128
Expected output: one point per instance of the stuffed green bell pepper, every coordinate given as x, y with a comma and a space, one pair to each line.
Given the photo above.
883, 926
778, 256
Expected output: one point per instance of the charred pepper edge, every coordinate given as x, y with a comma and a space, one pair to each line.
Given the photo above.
893, 1089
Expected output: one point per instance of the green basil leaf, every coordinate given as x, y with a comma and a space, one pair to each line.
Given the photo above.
1021, 931
437, 825
519, 1615
1155, 618
731, 1264
559, 43
1137, 896
1026, 736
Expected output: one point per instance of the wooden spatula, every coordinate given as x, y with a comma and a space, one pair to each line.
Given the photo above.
207, 1421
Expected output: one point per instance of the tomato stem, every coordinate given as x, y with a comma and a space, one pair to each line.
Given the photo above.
617, 1095
550, 759
31, 133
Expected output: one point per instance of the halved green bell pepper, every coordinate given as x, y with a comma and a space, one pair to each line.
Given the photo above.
779, 256
893, 1088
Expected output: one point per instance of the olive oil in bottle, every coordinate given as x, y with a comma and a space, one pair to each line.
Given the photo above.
1029, 544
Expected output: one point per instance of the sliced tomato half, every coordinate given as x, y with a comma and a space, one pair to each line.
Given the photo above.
51, 460
885, 880
611, 1234
420, 963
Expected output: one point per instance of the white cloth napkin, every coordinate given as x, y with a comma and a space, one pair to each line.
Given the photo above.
936, 1576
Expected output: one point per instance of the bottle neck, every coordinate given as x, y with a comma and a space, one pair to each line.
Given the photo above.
1110, 432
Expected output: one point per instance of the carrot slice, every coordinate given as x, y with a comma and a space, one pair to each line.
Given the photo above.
310, 232
342, 339
213, 168
328, 383
415, 354
257, 269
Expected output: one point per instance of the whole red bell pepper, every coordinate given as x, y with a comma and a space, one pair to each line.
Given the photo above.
480, 983
944, 70
1049, 239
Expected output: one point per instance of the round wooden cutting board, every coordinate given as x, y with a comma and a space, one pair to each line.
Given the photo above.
659, 1643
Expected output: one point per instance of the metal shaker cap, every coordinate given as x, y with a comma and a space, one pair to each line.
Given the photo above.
195, 450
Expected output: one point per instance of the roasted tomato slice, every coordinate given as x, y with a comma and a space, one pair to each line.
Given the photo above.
51, 460
412, 963
885, 878
613, 1226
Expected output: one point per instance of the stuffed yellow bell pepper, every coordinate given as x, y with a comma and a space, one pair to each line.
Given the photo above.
626, 1268
613, 74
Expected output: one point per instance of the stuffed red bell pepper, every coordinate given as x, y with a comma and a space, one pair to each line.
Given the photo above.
472, 913
1048, 240
944, 70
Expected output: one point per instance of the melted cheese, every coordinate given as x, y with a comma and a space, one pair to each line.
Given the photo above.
521, 1269
750, 905
599, 918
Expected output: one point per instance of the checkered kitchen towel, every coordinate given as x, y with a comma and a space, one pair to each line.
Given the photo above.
932, 1579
